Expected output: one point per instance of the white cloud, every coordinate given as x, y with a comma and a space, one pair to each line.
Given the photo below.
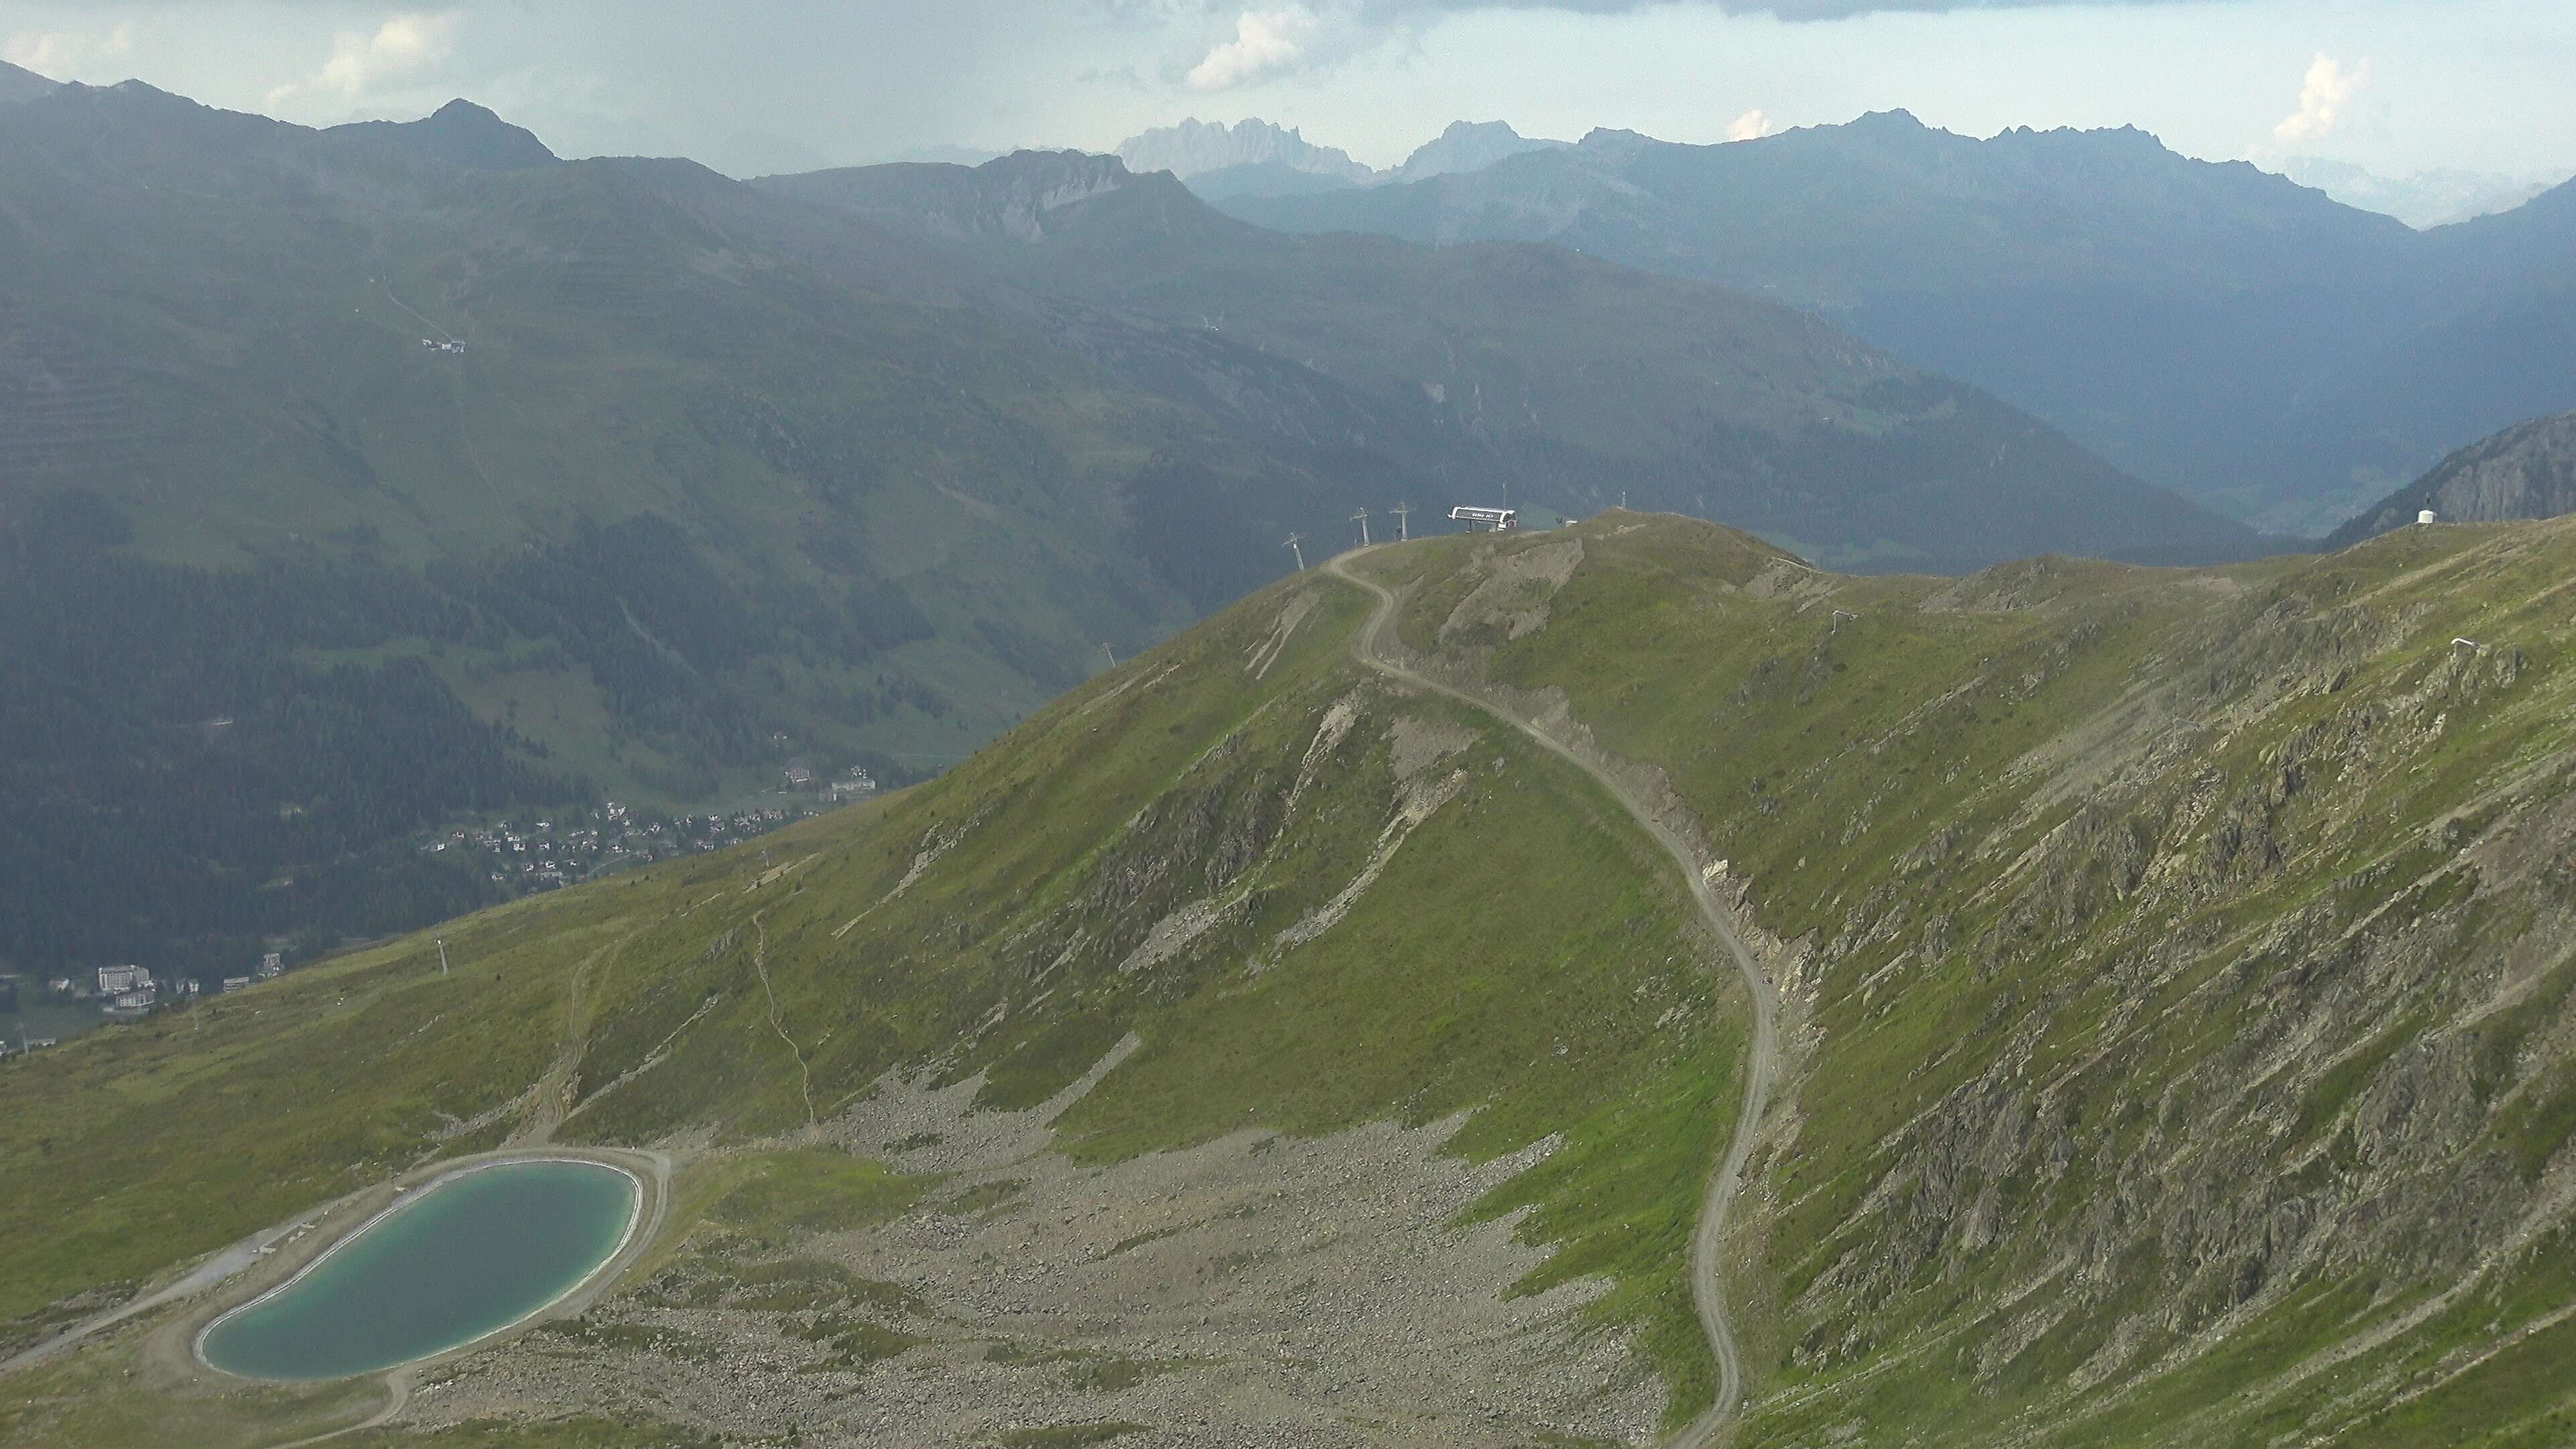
68, 54
1751, 126
1266, 42
2325, 96
360, 63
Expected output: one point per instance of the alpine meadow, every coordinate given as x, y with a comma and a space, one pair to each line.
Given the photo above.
820, 796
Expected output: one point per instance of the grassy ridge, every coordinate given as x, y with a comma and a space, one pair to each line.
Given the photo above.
637, 1008
2180, 1008
2171, 958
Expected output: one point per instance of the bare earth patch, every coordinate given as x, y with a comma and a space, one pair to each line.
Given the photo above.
1254, 1290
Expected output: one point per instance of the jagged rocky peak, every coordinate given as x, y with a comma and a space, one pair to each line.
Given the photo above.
1470, 146
1019, 191
1195, 147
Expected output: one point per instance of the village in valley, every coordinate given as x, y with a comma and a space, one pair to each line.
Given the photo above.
516, 858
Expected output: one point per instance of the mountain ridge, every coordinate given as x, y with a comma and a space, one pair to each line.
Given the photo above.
2528, 471
459, 133
2172, 1056
19, 84
1750, 410
2206, 326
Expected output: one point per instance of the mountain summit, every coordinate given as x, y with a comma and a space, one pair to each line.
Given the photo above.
1469, 146
460, 133
1196, 147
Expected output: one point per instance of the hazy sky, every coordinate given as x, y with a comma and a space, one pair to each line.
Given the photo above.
757, 85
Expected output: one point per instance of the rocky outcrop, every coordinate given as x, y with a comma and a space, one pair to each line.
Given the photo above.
2526, 471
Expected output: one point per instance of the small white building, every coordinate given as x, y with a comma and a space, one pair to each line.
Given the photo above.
117, 980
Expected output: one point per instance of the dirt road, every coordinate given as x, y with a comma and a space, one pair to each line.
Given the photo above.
1762, 1062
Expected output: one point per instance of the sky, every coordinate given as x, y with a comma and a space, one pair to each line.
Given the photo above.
750, 86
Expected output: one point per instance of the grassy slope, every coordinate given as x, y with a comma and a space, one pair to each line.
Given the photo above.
2184, 997
2180, 998
1071, 839
248, 300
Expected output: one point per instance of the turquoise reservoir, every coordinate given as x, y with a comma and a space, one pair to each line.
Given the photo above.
467, 1256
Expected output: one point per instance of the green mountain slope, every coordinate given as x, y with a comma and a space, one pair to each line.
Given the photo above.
2526, 471
553, 471
2207, 327
1531, 372
2178, 1037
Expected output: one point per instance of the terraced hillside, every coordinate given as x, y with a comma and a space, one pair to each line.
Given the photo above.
1252, 1044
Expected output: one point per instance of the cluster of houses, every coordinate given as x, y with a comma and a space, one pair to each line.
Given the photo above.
857, 784
131, 992
546, 855
434, 345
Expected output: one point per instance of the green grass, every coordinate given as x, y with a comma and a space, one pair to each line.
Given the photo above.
1879, 778
2063, 949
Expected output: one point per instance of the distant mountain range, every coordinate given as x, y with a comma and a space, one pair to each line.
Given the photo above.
2244, 340
1197, 148
2526, 471
353, 479
1254, 158
1516, 373
2424, 200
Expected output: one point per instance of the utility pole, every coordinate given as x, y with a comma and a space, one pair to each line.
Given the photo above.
1361, 518
1291, 545
442, 955
1403, 528
1113, 654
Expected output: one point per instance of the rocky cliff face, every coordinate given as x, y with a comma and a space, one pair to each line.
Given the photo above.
1195, 146
2526, 471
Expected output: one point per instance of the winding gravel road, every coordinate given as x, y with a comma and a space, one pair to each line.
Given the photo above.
1762, 1066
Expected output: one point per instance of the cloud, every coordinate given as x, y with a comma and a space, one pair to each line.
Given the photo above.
2323, 99
67, 54
1751, 126
1266, 43
360, 63
1778, 9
